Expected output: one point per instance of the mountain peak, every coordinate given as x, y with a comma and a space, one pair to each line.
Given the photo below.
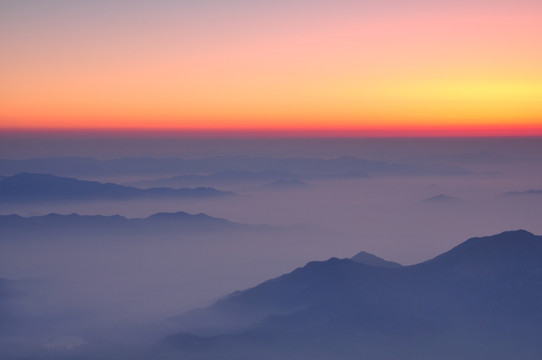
181, 215
169, 215
516, 234
366, 258
504, 239
517, 250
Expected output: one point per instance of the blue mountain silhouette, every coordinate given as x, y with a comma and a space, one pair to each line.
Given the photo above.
480, 300
25, 187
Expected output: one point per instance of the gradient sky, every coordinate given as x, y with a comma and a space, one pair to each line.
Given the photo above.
384, 67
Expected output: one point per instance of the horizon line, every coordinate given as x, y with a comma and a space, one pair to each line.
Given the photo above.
494, 131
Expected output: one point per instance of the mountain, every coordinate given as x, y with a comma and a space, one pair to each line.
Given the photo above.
222, 177
372, 260
480, 300
27, 187
235, 177
15, 226
523, 193
302, 166
442, 198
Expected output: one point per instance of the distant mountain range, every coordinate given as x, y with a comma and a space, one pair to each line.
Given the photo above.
174, 223
222, 177
236, 177
27, 187
524, 193
480, 300
221, 167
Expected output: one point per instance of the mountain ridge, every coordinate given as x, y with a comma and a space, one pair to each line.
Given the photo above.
173, 166
158, 223
31, 187
440, 301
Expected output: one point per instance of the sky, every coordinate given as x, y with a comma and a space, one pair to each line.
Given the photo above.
389, 67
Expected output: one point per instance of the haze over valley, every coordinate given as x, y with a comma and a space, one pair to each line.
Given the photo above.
105, 264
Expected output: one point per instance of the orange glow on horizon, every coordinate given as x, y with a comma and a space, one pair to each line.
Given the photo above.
263, 132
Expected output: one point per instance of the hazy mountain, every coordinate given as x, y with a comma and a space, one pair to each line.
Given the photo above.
72, 166
523, 193
26, 187
11, 225
229, 177
441, 198
480, 300
222, 177
372, 260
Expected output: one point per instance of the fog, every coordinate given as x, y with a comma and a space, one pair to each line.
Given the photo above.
391, 217
69, 286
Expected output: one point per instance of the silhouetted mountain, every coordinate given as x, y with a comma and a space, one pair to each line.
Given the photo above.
511, 252
302, 166
523, 193
173, 223
369, 259
42, 187
480, 300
